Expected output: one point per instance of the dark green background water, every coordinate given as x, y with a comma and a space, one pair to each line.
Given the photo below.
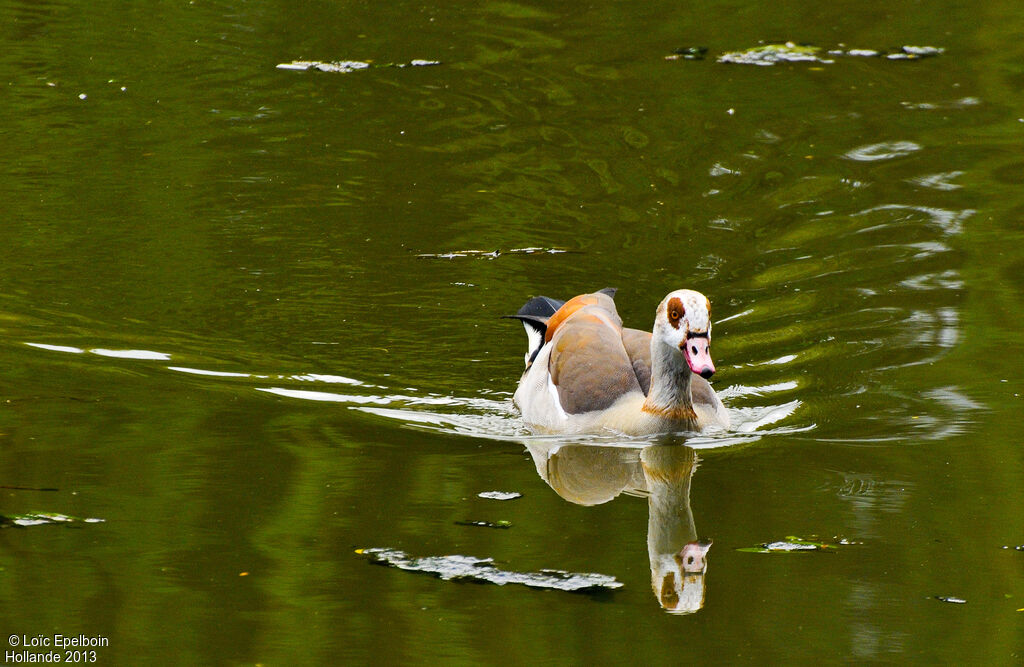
197, 247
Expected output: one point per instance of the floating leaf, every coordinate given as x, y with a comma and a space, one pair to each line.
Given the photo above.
482, 570
342, 66
794, 544
346, 66
41, 519
491, 254
789, 52
500, 495
485, 524
688, 53
772, 54
915, 52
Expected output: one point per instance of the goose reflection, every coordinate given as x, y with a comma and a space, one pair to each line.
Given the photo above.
593, 474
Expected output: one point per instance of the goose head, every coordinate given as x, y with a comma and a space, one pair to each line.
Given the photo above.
683, 323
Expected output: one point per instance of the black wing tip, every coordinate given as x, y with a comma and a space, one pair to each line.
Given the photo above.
539, 307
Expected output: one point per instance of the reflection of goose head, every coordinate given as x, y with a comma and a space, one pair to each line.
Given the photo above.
594, 474
678, 579
678, 560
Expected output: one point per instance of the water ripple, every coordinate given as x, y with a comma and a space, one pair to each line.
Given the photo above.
949, 221
886, 150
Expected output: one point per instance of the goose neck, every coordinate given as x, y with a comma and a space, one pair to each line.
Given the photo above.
669, 395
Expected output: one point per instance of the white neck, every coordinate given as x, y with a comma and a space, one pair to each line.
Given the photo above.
669, 396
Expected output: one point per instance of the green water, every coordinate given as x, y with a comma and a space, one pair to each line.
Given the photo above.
249, 318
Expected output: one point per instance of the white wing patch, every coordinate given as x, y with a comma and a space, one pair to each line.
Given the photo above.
533, 342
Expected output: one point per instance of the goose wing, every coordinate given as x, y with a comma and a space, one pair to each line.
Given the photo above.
536, 313
638, 347
588, 363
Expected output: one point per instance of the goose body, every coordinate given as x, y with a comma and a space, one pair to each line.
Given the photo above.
586, 373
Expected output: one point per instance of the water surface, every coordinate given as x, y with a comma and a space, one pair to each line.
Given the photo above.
250, 319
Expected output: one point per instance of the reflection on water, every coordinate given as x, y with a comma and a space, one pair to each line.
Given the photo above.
117, 354
884, 151
588, 474
586, 470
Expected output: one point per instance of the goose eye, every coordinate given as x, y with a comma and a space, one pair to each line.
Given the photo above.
675, 312
694, 348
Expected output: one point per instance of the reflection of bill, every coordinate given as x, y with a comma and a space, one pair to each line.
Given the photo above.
594, 474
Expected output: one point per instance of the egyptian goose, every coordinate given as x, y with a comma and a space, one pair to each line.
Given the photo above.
585, 373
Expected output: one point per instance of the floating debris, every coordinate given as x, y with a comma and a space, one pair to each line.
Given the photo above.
491, 254
688, 53
485, 254
346, 66
961, 103
791, 544
482, 570
772, 54
950, 599
41, 519
485, 524
770, 547
915, 52
500, 495
856, 53
791, 52
341, 66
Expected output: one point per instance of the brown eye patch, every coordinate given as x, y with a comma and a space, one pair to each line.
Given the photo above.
675, 312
